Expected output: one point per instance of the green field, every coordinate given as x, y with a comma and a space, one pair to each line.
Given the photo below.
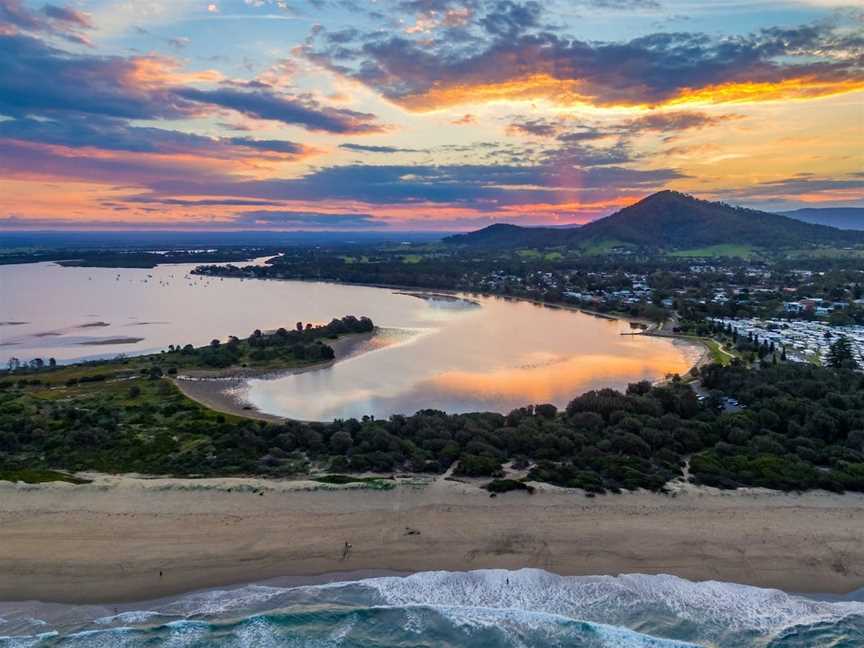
537, 254
598, 248
718, 354
827, 253
712, 251
353, 259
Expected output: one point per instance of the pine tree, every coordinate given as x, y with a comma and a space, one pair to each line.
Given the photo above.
840, 354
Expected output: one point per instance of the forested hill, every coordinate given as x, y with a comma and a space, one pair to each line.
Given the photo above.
668, 220
501, 235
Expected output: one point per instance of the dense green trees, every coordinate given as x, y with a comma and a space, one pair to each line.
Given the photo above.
300, 344
841, 355
800, 427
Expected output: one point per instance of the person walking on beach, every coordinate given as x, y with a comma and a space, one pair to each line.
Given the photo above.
347, 550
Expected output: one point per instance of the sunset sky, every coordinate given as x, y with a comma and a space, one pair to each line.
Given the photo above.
420, 114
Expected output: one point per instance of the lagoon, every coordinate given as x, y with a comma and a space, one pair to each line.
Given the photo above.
458, 354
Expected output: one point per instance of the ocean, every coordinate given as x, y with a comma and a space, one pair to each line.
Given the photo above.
483, 609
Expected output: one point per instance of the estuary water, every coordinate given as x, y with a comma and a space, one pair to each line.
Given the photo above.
455, 353
482, 609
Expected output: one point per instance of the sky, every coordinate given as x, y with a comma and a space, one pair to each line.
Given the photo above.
420, 114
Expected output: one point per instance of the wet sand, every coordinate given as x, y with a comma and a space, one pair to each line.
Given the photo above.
109, 540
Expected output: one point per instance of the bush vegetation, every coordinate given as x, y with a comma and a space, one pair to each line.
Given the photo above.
798, 427
302, 344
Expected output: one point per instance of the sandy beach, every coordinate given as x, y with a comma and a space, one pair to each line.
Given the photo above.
108, 541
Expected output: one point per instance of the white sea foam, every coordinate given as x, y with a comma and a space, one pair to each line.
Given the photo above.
214, 602
27, 642
716, 607
132, 617
550, 627
527, 607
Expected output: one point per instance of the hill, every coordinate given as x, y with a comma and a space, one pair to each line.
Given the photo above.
670, 221
845, 218
502, 235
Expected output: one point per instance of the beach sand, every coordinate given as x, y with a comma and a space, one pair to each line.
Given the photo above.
109, 540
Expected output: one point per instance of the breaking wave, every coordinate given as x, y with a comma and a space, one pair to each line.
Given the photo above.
485, 608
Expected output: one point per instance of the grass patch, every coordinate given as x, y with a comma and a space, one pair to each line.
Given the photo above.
412, 258
724, 250
718, 355
597, 248
528, 254
34, 476
537, 254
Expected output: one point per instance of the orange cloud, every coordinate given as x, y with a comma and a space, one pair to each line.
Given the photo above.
154, 72
573, 93
573, 211
746, 92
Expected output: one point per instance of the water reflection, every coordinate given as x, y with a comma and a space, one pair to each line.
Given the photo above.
457, 354
503, 355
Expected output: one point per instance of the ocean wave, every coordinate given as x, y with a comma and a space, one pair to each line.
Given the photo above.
365, 628
131, 617
488, 608
660, 605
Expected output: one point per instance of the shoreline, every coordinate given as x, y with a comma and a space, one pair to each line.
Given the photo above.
109, 540
215, 389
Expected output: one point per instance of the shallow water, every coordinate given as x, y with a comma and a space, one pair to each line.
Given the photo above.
458, 355
486, 608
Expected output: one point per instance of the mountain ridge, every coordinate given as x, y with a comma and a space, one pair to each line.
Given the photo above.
669, 220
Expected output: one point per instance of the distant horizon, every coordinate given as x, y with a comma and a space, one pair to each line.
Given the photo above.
24, 226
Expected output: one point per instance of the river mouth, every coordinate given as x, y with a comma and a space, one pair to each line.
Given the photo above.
456, 353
